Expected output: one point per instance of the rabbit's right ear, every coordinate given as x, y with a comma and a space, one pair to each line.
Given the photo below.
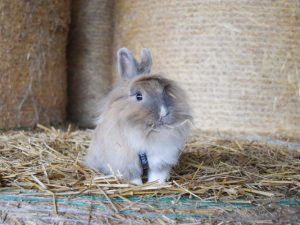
127, 65
146, 62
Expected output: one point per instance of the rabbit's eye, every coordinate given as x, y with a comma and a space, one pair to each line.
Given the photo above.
139, 96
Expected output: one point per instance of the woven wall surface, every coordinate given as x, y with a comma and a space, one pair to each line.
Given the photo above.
33, 37
89, 57
239, 60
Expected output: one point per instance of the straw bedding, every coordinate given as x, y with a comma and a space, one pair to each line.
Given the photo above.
47, 162
50, 161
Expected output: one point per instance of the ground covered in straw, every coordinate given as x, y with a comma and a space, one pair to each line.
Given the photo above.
216, 180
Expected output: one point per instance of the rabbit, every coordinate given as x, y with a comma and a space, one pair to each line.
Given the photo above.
145, 113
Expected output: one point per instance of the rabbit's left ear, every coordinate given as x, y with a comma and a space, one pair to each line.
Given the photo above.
127, 65
146, 62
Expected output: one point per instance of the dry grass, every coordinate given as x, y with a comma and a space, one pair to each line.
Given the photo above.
49, 160
47, 163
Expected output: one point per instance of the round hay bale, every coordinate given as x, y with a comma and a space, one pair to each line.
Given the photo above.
89, 57
32, 62
239, 60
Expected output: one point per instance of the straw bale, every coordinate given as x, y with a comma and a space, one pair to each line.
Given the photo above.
170, 210
33, 65
89, 57
239, 60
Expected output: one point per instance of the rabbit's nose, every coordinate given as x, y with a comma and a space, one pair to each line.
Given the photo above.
163, 111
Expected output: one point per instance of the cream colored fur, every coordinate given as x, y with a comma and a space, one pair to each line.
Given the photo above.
127, 127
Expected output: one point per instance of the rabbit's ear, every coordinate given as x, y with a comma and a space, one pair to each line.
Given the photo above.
127, 65
146, 62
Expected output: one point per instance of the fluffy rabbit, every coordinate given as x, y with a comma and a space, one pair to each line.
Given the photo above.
144, 113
